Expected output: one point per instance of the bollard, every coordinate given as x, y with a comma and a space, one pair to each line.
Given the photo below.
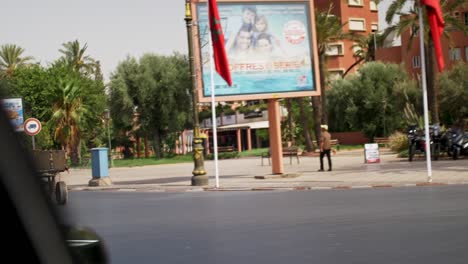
100, 167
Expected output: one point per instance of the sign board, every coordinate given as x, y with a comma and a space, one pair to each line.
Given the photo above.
14, 111
32, 126
371, 153
270, 48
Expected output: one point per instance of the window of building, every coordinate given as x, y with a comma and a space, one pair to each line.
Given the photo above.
455, 54
357, 24
335, 74
373, 5
374, 27
465, 18
416, 62
355, 2
334, 49
466, 53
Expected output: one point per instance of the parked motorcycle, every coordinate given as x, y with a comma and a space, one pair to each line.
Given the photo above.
459, 143
436, 141
417, 141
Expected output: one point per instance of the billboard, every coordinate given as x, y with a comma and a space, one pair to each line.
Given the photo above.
14, 110
269, 48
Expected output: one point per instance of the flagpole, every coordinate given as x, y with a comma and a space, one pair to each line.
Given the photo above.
424, 86
213, 107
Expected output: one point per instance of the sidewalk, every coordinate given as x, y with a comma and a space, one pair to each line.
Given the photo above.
349, 171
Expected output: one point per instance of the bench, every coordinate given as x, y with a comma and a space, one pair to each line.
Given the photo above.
290, 152
333, 142
224, 149
382, 140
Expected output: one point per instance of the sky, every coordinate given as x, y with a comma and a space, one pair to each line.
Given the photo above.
112, 29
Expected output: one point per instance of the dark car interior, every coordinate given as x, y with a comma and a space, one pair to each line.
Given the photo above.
35, 231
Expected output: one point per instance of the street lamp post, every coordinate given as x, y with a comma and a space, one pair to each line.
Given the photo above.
107, 118
199, 177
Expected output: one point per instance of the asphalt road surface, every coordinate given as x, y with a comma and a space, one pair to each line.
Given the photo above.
393, 225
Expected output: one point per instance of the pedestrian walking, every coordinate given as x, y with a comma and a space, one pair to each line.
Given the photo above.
325, 147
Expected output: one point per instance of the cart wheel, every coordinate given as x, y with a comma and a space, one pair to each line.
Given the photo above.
61, 192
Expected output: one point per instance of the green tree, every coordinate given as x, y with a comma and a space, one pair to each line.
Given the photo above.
125, 98
372, 100
74, 56
409, 20
328, 28
33, 85
454, 95
166, 89
158, 89
11, 57
366, 46
68, 112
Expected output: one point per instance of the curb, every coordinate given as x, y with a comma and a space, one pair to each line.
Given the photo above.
248, 189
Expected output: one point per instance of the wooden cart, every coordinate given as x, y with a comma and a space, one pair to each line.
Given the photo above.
49, 164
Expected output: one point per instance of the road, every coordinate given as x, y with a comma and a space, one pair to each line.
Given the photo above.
393, 225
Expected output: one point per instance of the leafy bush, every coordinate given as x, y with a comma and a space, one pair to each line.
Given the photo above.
404, 153
398, 142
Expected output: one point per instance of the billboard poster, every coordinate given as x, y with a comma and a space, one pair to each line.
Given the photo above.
14, 110
371, 152
268, 47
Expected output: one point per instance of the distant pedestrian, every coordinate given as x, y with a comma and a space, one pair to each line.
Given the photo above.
325, 147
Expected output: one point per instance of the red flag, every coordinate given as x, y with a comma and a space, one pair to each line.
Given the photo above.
436, 23
217, 37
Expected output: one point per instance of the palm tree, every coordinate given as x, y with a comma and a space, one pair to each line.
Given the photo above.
11, 58
328, 29
409, 20
68, 114
74, 56
365, 49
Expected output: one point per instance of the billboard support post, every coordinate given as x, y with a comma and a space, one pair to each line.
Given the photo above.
276, 149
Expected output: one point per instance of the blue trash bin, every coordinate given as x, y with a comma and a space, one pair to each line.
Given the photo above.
99, 162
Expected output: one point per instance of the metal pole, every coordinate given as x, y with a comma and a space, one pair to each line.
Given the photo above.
424, 86
199, 177
111, 162
33, 143
213, 109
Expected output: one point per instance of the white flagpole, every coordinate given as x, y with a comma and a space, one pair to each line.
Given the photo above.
424, 86
213, 107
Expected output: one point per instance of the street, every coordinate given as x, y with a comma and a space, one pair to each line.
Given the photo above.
390, 225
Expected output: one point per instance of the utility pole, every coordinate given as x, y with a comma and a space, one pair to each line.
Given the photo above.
199, 177
107, 118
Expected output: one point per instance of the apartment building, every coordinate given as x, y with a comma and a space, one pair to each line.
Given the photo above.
359, 16
454, 49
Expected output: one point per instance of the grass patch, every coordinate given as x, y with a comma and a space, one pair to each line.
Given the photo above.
403, 154
152, 161
351, 147
223, 155
253, 152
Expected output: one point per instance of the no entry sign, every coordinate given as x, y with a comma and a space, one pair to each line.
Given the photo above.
32, 126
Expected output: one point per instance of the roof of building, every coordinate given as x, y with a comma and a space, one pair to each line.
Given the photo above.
251, 125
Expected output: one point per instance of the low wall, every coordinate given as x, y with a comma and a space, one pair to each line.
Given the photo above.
350, 138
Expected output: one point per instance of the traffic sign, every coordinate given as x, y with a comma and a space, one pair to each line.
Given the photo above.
32, 126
